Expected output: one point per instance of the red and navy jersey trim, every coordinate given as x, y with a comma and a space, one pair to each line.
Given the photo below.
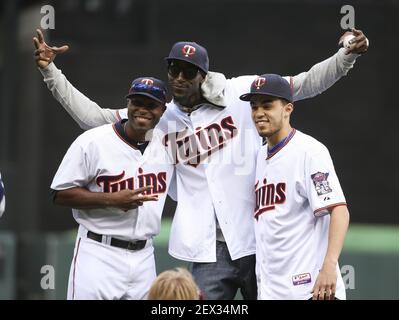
280, 145
118, 115
120, 132
329, 207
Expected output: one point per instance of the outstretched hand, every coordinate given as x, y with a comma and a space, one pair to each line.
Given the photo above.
44, 54
361, 42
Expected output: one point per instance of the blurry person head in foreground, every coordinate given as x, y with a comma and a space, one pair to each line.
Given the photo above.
175, 284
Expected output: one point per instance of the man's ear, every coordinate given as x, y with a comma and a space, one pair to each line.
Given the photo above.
204, 75
289, 108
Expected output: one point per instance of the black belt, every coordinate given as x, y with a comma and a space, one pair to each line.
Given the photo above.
129, 245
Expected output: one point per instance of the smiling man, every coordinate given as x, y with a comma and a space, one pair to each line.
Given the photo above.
115, 178
301, 217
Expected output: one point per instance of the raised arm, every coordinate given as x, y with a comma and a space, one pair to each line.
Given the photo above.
324, 74
84, 111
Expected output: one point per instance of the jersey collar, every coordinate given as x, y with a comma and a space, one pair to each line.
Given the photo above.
120, 131
188, 110
271, 152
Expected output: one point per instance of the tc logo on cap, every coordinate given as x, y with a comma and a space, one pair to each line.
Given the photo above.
188, 50
259, 82
147, 82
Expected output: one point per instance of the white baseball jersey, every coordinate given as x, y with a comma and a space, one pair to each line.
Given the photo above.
225, 142
295, 186
215, 150
2, 197
104, 160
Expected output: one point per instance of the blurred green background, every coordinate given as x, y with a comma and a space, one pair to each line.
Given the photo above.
369, 262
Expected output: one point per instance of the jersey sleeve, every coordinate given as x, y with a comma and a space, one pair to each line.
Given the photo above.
122, 114
242, 84
323, 189
235, 87
221, 91
84, 111
75, 169
322, 75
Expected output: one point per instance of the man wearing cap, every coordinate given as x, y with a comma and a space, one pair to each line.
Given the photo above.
115, 178
210, 135
300, 211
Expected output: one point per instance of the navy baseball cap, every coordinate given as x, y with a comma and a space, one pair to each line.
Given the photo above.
190, 52
270, 84
149, 87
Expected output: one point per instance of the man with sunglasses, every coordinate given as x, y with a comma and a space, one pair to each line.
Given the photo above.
210, 135
115, 178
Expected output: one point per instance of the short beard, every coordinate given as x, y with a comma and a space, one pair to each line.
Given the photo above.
183, 101
274, 132
189, 102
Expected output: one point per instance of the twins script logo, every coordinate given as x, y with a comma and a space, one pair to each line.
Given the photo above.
267, 196
115, 183
188, 50
193, 148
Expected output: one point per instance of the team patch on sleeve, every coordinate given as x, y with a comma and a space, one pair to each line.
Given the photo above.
320, 182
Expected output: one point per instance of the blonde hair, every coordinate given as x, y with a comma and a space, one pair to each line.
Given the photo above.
175, 284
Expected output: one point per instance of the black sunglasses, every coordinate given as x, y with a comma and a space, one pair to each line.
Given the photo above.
189, 73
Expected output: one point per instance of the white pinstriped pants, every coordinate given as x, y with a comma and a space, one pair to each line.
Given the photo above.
102, 272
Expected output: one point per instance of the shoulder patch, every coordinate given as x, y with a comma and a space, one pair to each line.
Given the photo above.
320, 182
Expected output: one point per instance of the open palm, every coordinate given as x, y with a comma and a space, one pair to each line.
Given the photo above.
44, 54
